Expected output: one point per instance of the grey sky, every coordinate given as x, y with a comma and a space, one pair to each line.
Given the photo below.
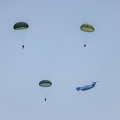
54, 50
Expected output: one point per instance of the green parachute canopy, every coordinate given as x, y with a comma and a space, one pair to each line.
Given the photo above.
45, 83
20, 26
87, 28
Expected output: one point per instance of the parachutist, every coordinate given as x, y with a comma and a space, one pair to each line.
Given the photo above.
84, 45
45, 99
22, 46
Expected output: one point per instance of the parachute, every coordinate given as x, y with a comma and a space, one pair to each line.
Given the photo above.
86, 29
20, 28
45, 85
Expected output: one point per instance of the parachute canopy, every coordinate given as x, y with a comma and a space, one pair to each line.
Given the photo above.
87, 28
20, 26
45, 83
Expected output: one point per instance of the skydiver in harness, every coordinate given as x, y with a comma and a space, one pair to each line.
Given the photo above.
84, 45
45, 99
22, 46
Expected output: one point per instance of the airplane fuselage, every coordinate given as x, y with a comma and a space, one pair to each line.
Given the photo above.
87, 87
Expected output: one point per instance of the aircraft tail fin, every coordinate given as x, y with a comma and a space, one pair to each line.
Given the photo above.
78, 88
94, 83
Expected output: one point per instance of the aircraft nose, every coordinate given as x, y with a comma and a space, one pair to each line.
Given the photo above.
77, 88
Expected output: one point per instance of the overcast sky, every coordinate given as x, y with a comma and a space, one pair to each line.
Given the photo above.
54, 51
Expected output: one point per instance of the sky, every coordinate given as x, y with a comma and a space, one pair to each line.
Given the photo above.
54, 51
